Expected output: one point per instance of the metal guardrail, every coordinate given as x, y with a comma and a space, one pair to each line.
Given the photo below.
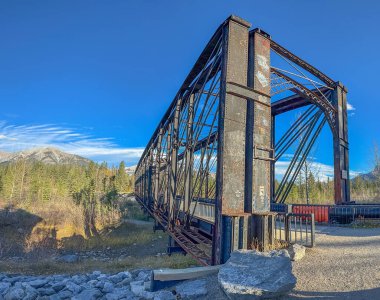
294, 228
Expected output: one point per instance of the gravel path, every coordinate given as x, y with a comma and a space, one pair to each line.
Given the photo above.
344, 265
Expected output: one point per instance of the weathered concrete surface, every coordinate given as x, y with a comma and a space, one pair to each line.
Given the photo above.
249, 274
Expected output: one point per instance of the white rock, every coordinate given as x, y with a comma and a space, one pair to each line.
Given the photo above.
38, 283
164, 295
297, 252
15, 294
108, 287
88, 294
137, 288
72, 287
144, 275
249, 274
4, 286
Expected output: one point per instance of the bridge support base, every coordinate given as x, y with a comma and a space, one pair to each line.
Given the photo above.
262, 231
157, 226
254, 231
173, 247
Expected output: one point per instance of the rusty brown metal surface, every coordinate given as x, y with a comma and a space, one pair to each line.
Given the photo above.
262, 130
341, 147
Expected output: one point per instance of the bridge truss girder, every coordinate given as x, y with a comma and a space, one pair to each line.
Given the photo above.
207, 174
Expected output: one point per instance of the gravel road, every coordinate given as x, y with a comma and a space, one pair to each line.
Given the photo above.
344, 265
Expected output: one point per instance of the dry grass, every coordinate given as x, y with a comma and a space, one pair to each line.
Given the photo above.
277, 245
365, 223
37, 236
119, 236
52, 267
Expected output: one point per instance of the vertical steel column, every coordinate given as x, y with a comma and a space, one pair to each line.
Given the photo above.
158, 169
260, 150
189, 157
231, 137
150, 177
167, 172
206, 174
341, 149
173, 164
144, 178
272, 165
146, 171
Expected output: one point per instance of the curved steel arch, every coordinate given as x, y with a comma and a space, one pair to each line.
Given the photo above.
332, 103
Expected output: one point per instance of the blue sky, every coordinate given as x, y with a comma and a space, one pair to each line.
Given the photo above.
95, 77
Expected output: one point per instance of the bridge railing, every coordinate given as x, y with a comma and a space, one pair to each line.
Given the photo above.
293, 228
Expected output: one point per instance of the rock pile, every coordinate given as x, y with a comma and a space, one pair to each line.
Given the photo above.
126, 285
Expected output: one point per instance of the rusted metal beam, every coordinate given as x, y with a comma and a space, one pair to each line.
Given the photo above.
189, 157
293, 102
231, 137
341, 147
305, 65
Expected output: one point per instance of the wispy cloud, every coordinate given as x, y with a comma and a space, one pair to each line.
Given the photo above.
20, 137
350, 107
320, 170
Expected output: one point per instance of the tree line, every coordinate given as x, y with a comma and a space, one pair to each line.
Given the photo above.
92, 188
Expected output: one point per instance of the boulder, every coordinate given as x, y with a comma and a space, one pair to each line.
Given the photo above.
4, 286
88, 294
79, 279
15, 294
46, 291
72, 287
123, 293
138, 289
31, 292
94, 275
37, 283
91, 283
296, 252
144, 275
58, 286
124, 282
192, 289
249, 274
164, 295
108, 287
66, 294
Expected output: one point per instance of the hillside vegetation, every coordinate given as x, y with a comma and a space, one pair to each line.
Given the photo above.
49, 202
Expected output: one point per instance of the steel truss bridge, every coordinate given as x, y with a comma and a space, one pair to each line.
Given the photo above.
207, 175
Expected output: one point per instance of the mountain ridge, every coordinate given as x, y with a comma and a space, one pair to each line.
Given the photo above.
370, 176
47, 155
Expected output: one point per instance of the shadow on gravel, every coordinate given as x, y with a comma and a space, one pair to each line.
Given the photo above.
347, 231
362, 294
